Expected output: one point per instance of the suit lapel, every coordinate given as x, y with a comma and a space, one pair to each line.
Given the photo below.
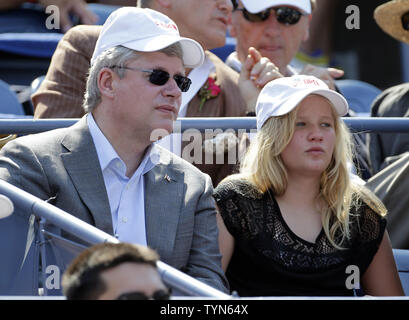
164, 189
82, 164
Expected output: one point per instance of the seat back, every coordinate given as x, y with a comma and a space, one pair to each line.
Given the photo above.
19, 268
9, 103
229, 47
359, 95
33, 255
402, 262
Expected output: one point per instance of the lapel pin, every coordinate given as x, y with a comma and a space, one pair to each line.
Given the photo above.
167, 178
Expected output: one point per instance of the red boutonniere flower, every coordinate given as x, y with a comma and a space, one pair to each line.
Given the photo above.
209, 91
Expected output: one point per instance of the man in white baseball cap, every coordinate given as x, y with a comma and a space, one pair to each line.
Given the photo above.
206, 21
159, 32
282, 95
276, 29
107, 171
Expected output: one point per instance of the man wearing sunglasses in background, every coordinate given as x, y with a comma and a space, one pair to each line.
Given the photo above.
106, 170
276, 28
114, 271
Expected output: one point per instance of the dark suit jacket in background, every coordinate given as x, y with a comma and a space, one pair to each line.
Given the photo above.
391, 185
385, 148
180, 214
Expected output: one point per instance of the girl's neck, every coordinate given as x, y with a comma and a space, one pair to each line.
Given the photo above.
302, 191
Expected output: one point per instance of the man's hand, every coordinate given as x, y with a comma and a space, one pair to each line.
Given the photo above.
75, 7
325, 74
255, 73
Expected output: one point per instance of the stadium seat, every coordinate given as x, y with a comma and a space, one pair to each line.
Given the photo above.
20, 264
35, 84
359, 95
9, 103
402, 262
29, 244
41, 45
224, 52
33, 255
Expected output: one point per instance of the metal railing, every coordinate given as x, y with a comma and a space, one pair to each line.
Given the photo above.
90, 234
358, 124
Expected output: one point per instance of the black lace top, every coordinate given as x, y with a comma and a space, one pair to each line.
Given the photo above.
270, 260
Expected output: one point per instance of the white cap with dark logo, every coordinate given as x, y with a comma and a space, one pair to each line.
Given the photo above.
280, 96
145, 30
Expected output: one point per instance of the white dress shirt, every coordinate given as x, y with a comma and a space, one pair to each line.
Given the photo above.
126, 195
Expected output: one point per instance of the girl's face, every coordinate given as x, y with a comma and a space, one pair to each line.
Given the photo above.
312, 145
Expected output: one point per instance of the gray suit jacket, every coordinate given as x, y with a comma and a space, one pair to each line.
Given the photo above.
62, 166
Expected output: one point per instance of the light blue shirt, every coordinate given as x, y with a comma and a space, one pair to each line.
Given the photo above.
126, 195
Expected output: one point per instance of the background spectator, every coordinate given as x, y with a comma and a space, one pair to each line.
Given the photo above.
277, 29
385, 148
76, 8
389, 152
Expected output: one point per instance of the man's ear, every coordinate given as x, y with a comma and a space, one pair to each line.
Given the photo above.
306, 35
106, 77
307, 29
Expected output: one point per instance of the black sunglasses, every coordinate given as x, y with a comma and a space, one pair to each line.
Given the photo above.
157, 295
284, 15
160, 77
405, 21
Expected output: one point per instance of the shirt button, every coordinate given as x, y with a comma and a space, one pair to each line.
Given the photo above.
124, 219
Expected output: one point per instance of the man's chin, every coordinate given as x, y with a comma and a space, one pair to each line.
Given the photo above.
160, 132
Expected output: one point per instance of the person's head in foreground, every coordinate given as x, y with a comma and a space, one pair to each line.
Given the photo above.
137, 73
112, 271
301, 137
276, 28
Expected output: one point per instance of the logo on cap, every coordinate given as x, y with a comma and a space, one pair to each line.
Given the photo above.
297, 82
166, 26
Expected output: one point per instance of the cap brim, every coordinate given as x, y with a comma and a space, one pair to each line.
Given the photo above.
388, 17
338, 102
258, 6
193, 55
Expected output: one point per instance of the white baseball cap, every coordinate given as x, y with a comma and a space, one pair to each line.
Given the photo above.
280, 96
145, 30
255, 6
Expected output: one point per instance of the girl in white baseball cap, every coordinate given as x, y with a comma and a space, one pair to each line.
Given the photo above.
292, 222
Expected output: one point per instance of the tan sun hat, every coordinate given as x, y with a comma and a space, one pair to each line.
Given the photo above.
389, 17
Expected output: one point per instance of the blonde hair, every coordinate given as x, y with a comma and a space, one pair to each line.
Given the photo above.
263, 167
